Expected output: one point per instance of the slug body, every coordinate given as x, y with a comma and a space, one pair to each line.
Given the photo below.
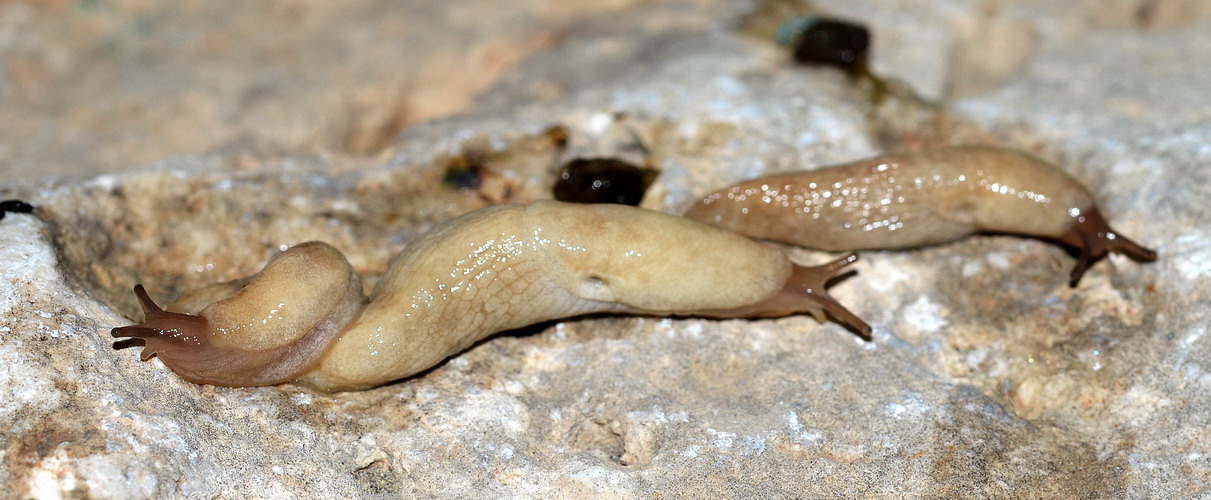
915, 199
492, 270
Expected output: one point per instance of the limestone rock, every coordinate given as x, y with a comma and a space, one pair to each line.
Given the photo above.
987, 377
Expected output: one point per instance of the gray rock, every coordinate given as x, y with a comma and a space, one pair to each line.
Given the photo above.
987, 377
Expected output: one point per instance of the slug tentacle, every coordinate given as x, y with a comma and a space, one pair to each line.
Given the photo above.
164, 331
805, 291
1093, 238
812, 281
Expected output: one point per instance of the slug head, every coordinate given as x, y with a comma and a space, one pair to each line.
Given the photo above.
811, 281
169, 334
184, 342
805, 291
275, 329
1093, 238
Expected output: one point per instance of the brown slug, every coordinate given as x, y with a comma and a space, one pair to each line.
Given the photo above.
924, 198
304, 319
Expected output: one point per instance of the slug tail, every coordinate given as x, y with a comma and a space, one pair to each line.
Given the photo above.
1093, 238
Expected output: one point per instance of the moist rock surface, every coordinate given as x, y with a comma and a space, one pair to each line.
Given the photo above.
987, 376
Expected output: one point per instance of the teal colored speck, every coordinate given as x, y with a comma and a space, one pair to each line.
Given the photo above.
88, 5
790, 30
142, 26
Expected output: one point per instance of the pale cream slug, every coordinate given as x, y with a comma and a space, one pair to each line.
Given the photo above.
304, 318
924, 198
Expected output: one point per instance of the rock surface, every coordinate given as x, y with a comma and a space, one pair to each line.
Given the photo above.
987, 377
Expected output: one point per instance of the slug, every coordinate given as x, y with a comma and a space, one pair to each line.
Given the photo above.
303, 318
916, 199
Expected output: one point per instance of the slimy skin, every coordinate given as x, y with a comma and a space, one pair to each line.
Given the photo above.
916, 199
303, 318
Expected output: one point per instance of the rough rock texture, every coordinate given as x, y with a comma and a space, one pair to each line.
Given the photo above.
987, 377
